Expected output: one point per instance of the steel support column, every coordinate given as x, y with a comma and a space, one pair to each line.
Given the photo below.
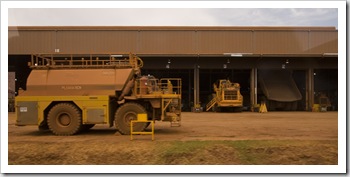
196, 85
253, 87
309, 89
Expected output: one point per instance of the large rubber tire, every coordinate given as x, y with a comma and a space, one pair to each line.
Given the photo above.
125, 114
64, 119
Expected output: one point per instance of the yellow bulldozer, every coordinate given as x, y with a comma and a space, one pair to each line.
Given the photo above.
227, 95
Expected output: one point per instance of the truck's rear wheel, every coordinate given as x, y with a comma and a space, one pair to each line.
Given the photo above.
125, 114
64, 119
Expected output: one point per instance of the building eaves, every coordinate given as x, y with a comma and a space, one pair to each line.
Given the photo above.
172, 28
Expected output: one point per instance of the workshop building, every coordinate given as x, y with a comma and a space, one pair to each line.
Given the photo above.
280, 64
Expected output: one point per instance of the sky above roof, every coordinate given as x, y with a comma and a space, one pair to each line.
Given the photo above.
173, 17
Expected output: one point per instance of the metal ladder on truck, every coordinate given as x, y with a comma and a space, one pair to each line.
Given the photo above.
212, 103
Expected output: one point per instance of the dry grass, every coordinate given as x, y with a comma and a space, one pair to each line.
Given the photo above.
247, 152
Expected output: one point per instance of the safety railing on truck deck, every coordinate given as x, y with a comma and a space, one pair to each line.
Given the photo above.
45, 61
150, 85
171, 85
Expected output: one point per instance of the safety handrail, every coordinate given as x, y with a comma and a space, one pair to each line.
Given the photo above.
156, 86
44, 61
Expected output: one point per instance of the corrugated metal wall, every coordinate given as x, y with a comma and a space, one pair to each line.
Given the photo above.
28, 42
86, 42
167, 42
323, 42
281, 42
172, 40
219, 42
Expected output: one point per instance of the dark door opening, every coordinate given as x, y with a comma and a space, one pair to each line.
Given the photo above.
299, 77
19, 65
326, 85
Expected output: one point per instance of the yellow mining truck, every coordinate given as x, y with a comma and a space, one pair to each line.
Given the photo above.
68, 94
227, 94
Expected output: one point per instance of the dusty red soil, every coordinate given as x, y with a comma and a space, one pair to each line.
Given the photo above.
305, 127
209, 126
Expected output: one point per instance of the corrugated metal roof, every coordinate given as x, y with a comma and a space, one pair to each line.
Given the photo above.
191, 28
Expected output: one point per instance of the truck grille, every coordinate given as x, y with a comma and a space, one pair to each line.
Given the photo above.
230, 95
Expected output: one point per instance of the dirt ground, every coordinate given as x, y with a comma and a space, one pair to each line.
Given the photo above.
299, 131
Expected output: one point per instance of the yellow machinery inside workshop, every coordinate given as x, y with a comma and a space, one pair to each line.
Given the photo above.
227, 95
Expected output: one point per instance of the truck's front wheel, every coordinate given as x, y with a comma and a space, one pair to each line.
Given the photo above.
64, 119
125, 114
